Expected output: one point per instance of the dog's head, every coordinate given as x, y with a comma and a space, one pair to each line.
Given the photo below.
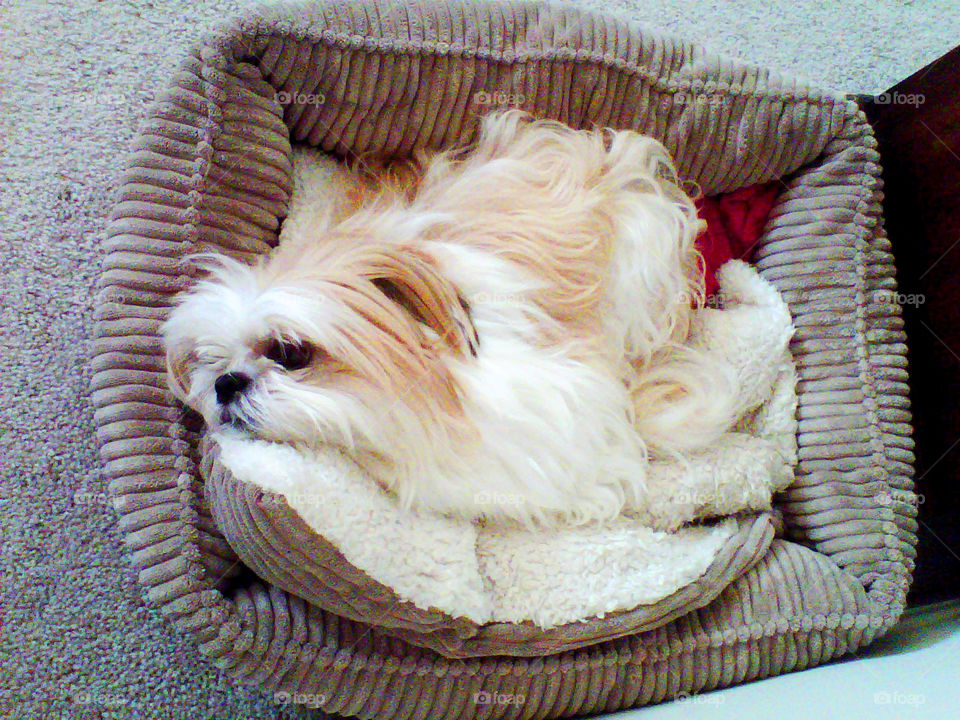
320, 348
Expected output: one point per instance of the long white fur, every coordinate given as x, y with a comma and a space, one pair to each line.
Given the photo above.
551, 432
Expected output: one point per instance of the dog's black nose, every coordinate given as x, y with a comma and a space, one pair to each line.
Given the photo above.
229, 386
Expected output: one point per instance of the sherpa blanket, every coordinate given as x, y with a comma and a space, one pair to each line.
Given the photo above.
552, 577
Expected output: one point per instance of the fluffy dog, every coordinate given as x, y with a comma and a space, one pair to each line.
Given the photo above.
495, 332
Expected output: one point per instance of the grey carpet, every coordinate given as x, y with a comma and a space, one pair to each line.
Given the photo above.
75, 638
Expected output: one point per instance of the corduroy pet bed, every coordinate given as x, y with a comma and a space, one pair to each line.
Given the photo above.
212, 170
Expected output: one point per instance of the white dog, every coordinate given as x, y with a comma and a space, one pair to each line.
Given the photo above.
496, 332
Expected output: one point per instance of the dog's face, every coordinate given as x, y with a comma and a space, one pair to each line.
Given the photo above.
322, 348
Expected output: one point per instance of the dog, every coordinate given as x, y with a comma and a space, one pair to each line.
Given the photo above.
495, 332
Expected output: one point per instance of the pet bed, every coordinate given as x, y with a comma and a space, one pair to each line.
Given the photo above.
212, 169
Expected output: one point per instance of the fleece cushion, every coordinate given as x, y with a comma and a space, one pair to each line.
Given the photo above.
212, 169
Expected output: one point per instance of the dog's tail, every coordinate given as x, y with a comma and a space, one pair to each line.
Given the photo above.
683, 400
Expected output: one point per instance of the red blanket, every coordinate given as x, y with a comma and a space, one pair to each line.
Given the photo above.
735, 221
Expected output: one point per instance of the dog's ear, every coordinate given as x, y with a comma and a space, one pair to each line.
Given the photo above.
179, 359
412, 280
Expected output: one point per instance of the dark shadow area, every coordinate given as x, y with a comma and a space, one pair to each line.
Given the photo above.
919, 628
917, 123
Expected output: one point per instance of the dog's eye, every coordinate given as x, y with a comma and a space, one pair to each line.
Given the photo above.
289, 356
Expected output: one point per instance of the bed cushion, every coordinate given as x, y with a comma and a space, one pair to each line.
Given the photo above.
212, 170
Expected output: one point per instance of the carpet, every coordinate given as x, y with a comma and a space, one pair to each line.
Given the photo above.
76, 640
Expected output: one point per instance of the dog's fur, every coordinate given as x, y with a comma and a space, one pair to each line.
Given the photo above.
495, 332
